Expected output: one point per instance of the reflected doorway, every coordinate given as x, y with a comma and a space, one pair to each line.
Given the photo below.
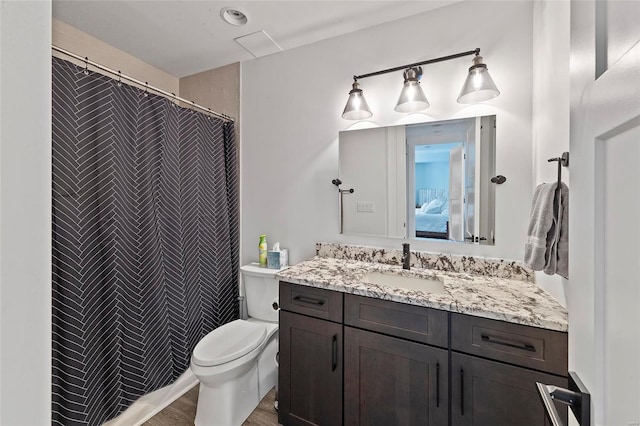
443, 186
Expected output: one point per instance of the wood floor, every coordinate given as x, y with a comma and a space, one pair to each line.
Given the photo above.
182, 412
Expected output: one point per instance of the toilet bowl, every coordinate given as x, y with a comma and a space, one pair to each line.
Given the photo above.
235, 362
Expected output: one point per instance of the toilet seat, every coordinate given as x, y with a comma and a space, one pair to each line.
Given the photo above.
228, 342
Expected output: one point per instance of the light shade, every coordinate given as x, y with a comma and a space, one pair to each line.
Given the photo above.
357, 107
412, 97
479, 85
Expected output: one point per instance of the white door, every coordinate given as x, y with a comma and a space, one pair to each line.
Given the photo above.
604, 239
456, 194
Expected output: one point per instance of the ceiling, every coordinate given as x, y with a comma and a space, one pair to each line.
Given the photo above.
186, 37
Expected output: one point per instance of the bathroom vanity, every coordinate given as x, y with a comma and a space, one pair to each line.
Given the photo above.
358, 352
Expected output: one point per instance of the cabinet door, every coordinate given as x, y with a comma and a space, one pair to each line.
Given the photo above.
492, 393
389, 381
310, 373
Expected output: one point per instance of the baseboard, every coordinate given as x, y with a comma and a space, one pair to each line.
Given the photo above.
152, 403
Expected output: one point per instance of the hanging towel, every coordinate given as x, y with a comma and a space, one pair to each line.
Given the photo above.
547, 245
558, 243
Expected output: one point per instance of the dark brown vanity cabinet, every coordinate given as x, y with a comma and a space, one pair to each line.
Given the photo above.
501, 390
492, 393
310, 375
354, 360
310, 356
390, 381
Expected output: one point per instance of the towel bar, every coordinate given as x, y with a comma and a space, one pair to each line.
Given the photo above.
341, 192
563, 161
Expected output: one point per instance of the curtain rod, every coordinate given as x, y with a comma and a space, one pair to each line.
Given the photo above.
142, 83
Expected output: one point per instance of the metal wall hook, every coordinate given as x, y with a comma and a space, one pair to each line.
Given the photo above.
119, 79
146, 89
498, 179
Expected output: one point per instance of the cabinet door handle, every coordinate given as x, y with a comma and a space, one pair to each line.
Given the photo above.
309, 300
523, 346
334, 352
462, 391
437, 384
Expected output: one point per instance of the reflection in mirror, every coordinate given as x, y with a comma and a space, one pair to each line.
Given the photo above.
428, 180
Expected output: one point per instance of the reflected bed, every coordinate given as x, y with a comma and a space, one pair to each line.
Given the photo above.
432, 225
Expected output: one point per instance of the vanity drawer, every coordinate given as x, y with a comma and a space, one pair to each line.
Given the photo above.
411, 322
537, 348
311, 301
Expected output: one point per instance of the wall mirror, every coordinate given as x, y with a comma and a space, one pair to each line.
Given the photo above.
421, 181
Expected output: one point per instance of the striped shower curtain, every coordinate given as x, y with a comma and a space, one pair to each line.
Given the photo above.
145, 241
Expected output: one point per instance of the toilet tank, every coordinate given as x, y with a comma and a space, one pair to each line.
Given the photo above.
260, 291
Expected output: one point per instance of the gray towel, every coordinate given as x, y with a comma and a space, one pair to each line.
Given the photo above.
547, 245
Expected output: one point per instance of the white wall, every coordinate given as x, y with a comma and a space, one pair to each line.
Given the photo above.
292, 101
25, 211
551, 38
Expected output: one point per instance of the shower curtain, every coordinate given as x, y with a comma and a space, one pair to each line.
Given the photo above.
145, 241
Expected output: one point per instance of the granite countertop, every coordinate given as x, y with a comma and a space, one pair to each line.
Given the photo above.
504, 299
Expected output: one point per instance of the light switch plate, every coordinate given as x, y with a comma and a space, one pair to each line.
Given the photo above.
365, 207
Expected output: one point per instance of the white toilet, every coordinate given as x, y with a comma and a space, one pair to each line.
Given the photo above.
235, 363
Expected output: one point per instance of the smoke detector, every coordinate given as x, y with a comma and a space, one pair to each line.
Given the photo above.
233, 16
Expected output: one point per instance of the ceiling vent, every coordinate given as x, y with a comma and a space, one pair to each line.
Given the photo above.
258, 44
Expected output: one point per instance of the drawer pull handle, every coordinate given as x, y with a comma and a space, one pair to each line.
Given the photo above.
309, 300
462, 391
334, 352
437, 384
523, 346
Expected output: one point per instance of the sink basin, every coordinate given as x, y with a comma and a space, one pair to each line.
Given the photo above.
428, 285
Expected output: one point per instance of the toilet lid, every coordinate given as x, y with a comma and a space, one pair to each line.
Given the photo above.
229, 342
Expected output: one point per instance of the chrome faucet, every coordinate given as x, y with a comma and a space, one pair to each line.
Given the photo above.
406, 256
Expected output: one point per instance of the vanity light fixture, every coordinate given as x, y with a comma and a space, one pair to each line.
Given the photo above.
478, 87
412, 97
357, 107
